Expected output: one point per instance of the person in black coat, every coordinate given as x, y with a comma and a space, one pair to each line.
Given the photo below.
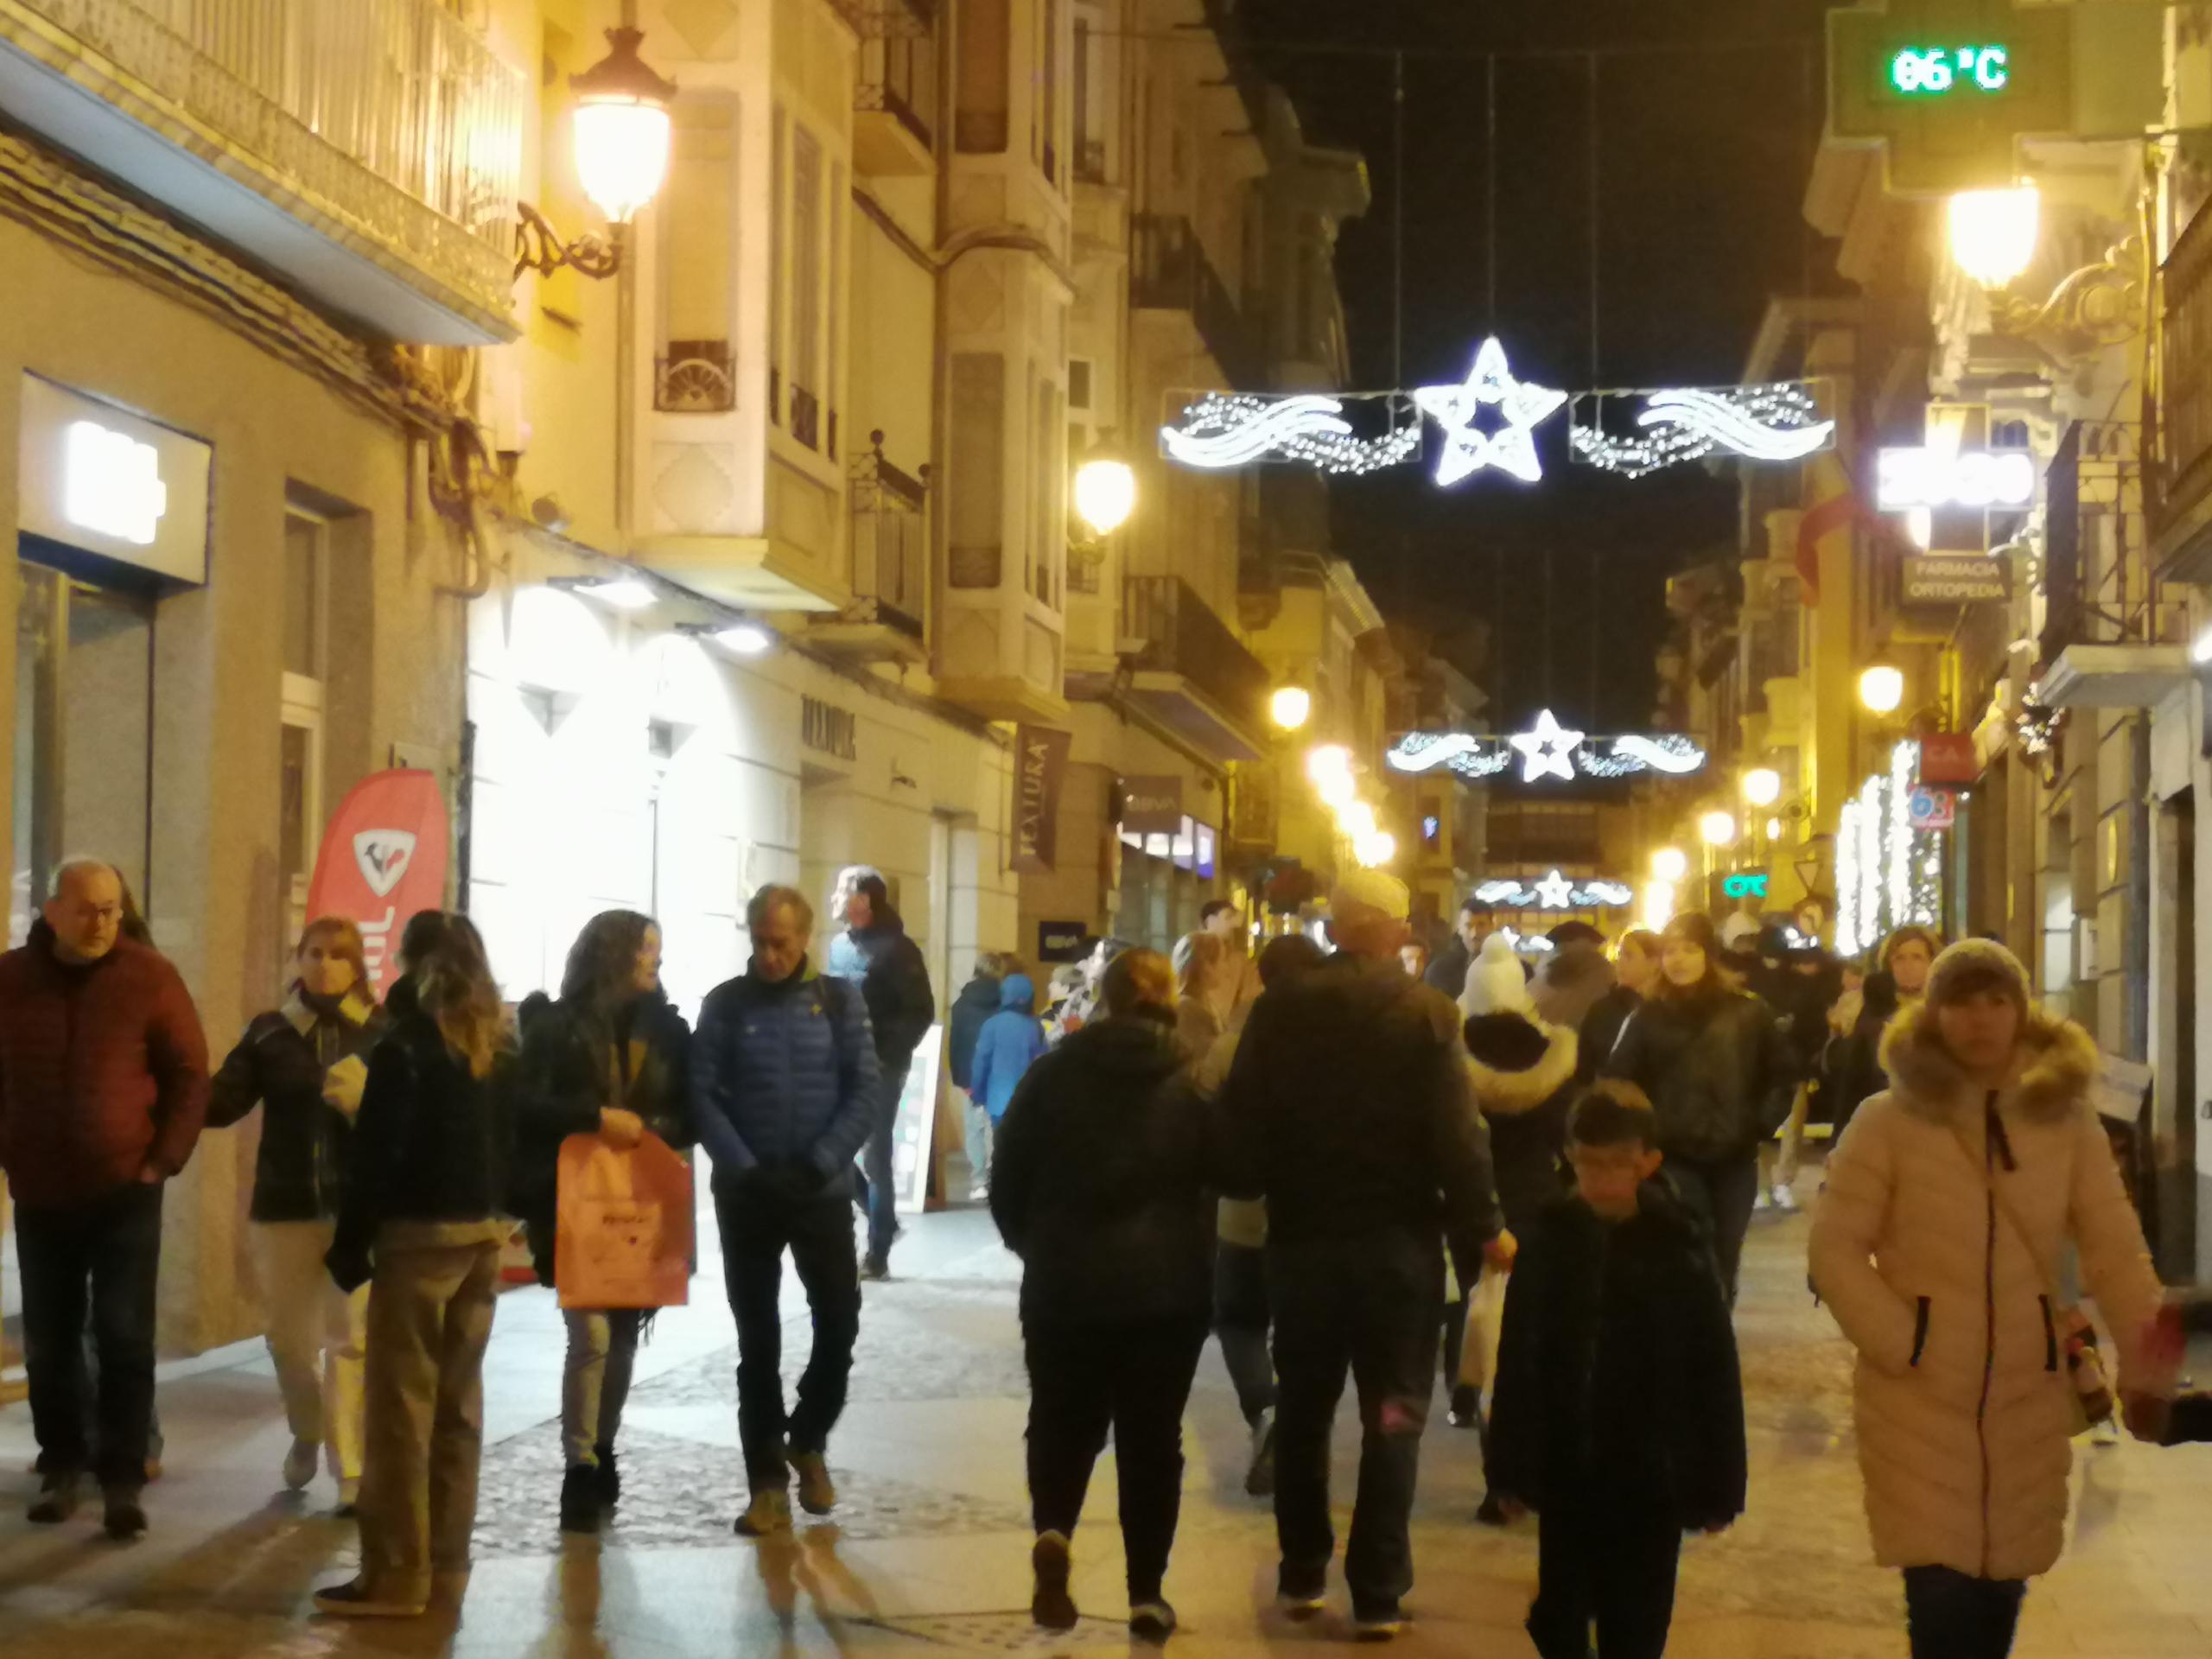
1619, 1413
1447, 969
977, 1001
1106, 1155
901, 1007
612, 1058
1899, 981
1635, 970
1716, 1067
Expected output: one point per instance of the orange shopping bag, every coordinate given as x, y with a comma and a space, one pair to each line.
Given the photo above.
623, 1232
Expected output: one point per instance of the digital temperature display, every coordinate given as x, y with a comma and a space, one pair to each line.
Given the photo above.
1927, 71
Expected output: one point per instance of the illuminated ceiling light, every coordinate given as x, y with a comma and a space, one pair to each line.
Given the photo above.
1762, 785
1994, 232
1489, 382
1290, 706
622, 129
1719, 829
1547, 750
1881, 688
623, 593
2202, 651
1105, 493
746, 639
1669, 863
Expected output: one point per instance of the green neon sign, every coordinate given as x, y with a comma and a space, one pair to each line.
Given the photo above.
1933, 72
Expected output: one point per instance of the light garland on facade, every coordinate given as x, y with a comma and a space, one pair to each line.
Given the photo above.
1555, 891
1546, 750
1888, 874
1227, 429
1774, 422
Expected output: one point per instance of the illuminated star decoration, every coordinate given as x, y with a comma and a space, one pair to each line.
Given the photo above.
1512, 448
1554, 891
1547, 751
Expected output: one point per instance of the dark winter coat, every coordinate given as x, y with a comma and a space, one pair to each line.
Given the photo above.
977, 1001
783, 1075
281, 1061
1717, 1067
1853, 1061
1524, 1081
1447, 972
1617, 1371
571, 1069
901, 1007
1352, 1112
433, 1142
1099, 1180
103, 1070
1602, 1027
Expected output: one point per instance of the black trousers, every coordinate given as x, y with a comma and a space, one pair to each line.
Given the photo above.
1368, 1307
1135, 1378
1952, 1615
1610, 1557
758, 1225
1724, 1191
1239, 1320
108, 1253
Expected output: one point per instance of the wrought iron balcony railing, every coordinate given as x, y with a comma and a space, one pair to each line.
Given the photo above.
890, 539
1169, 271
1183, 636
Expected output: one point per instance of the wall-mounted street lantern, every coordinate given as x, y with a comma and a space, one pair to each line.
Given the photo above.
622, 133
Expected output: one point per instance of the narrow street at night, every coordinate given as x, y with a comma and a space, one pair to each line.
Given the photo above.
929, 1549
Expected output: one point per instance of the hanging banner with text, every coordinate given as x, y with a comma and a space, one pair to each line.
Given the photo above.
1040, 766
382, 859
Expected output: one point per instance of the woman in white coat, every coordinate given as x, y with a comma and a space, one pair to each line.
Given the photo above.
1949, 1202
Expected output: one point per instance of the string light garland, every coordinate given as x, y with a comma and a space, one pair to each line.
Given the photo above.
1489, 385
1887, 873
1546, 750
1555, 891
1226, 429
1775, 422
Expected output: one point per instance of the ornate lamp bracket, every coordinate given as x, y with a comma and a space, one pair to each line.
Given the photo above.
539, 247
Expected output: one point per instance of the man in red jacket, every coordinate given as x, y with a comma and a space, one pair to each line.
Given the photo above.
102, 1090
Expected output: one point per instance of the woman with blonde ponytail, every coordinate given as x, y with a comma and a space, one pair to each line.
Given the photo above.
422, 1227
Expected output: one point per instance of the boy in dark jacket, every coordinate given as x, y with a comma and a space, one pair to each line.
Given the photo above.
1620, 1414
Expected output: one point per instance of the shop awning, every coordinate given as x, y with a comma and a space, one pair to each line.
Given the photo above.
2113, 677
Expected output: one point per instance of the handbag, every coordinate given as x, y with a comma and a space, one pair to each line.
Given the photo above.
2069, 1327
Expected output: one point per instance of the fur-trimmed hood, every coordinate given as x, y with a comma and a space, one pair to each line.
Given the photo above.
1517, 1063
2056, 1066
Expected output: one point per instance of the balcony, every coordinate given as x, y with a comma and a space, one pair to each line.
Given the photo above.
2184, 514
891, 568
367, 151
894, 95
2115, 626
1169, 272
1189, 671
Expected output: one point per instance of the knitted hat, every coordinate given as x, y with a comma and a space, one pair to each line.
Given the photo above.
1495, 982
1374, 890
1973, 965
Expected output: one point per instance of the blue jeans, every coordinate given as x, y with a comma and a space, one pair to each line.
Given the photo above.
878, 1193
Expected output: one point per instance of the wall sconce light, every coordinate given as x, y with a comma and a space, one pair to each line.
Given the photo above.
622, 134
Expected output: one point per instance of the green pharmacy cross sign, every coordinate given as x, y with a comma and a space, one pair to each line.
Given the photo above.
1948, 87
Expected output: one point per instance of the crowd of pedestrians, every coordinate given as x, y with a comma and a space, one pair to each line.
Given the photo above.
1317, 1157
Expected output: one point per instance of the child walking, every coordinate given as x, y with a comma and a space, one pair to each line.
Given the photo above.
1619, 1410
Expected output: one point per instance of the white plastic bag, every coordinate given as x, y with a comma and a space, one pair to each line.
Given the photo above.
1485, 1323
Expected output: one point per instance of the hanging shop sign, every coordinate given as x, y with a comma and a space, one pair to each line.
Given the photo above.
1947, 758
1152, 806
1062, 941
1931, 809
111, 484
1992, 479
1546, 750
1555, 891
382, 858
1945, 581
1744, 884
1041, 762
1489, 422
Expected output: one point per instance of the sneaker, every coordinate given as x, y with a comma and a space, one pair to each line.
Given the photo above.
1260, 1473
818, 1493
2105, 1432
1491, 1513
300, 1462
1466, 1408
768, 1514
1300, 1599
875, 1267
1049, 1604
1152, 1620
1381, 1624
349, 1498
610, 1476
580, 1499
355, 1599
1784, 1199
125, 1520
59, 1499
1764, 1201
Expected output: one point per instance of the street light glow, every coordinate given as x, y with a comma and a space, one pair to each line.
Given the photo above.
1717, 828
1994, 232
1105, 493
622, 129
1881, 688
1762, 785
1290, 706
1670, 864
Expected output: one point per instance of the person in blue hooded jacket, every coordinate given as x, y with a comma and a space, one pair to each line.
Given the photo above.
1007, 1045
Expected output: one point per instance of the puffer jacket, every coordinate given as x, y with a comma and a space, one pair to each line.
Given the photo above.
977, 1001
1717, 1067
1523, 1071
571, 1070
282, 1063
1099, 1180
1947, 1206
784, 1075
1010, 1042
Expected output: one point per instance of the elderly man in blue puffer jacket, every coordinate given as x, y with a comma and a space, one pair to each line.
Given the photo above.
784, 1082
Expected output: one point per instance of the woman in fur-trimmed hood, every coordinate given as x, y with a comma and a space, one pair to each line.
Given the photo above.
1949, 1202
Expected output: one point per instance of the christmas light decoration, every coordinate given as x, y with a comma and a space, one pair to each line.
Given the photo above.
1548, 750
1555, 891
1489, 384
1463, 751
1767, 423
1887, 874
1225, 430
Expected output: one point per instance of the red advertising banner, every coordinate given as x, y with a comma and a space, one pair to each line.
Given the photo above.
1947, 758
382, 859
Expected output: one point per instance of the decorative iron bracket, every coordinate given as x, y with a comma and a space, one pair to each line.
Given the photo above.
539, 247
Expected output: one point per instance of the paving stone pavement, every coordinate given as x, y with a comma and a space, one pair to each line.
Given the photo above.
928, 1550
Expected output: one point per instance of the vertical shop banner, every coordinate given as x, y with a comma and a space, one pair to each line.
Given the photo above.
913, 1133
1040, 760
382, 858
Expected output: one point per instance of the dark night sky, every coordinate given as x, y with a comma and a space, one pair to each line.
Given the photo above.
1702, 150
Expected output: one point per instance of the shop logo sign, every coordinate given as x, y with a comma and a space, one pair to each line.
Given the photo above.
112, 484
1905, 478
1750, 884
383, 856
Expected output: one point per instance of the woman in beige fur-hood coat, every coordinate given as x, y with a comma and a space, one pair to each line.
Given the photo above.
1949, 1202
